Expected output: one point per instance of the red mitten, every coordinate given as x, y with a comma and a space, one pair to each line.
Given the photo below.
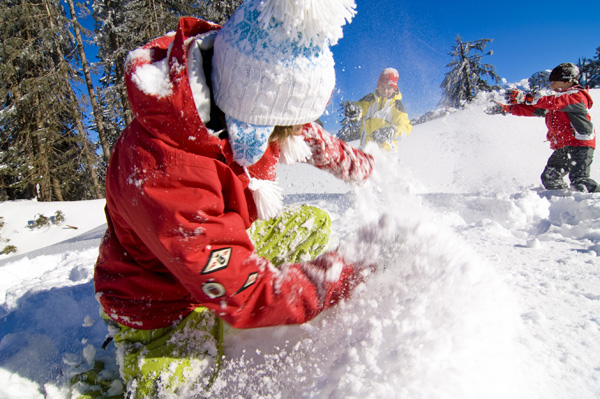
514, 96
529, 97
337, 277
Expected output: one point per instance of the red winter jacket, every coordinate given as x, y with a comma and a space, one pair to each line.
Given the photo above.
567, 117
178, 208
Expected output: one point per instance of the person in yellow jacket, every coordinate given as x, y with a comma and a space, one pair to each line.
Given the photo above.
382, 115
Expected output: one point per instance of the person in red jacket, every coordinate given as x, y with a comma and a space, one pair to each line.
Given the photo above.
570, 130
215, 110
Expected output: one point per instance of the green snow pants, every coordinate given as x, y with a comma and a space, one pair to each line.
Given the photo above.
163, 362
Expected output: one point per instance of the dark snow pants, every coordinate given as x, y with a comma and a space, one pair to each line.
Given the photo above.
574, 161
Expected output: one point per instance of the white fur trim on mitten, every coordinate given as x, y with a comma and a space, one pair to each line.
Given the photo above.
293, 149
267, 198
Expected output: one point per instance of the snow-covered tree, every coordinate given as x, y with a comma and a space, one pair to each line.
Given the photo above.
350, 127
44, 149
539, 81
467, 75
590, 70
218, 11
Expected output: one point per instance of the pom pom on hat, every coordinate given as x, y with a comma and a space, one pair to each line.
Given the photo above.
309, 20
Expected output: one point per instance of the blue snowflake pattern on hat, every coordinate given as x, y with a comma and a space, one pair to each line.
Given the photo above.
249, 142
270, 43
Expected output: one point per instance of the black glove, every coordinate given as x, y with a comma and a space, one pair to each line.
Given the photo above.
494, 110
384, 134
352, 111
497, 109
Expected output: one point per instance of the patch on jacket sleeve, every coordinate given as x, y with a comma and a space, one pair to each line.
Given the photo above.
219, 259
213, 289
249, 281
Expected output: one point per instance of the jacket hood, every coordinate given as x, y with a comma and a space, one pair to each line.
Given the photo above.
158, 84
586, 92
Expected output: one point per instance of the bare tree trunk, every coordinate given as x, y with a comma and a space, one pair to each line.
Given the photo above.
56, 189
44, 187
127, 114
89, 161
90, 87
463, 58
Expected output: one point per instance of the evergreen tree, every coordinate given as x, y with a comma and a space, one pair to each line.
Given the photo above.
41, 140
350, 128
590, 70
124, 25
218, 11
594, 79
467, 75
539, 81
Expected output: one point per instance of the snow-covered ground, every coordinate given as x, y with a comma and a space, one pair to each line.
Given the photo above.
487, 288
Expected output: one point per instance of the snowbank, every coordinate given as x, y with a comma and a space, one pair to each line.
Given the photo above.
487, 287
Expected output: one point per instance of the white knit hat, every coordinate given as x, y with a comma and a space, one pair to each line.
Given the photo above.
272, 66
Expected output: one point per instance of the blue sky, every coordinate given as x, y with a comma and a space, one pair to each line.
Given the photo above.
416, 36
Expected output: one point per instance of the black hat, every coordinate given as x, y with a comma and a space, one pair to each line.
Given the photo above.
566, 72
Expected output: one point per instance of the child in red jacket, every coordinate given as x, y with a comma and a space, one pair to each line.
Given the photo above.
570, 130
196, 229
